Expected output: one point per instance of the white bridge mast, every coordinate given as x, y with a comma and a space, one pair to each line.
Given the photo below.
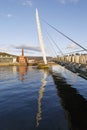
40, 37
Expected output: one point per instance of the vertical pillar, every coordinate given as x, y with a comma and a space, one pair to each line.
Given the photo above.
22, 51
40, 37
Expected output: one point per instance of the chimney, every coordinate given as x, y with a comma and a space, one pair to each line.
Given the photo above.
22, 51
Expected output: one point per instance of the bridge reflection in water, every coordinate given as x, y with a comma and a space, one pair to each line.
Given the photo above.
41, 93
74, 104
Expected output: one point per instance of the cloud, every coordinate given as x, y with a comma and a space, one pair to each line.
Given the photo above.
27, 3
71, 46
9, 15
67, 1
6, 15
31, 48
3, 49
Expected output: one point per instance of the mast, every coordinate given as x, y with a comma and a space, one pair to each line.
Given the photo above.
40, 37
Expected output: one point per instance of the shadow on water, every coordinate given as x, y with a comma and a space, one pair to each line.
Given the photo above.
74, 104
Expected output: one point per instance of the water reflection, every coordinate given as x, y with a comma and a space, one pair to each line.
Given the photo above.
14, 69
74, 104
72, 76
41, 92
66, 73
22, 71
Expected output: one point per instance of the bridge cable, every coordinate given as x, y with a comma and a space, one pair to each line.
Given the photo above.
64, 35
53, 49
52, 52
75, 52
55, 43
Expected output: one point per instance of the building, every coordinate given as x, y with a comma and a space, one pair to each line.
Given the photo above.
6, 58
22, 59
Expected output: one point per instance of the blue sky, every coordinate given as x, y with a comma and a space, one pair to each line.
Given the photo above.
18, 24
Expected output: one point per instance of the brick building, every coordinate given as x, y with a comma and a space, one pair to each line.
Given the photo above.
22, 59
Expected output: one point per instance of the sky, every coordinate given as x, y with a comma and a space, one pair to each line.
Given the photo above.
18, 26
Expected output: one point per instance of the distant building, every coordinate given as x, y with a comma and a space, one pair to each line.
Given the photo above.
31, 61
22, 59
7, 59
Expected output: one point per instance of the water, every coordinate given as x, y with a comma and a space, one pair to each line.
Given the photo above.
32, 99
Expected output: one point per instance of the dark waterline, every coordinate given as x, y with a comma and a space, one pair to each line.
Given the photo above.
32, 99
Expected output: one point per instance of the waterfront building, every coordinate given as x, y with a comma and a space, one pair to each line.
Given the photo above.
7, 58
31, 61
22, 59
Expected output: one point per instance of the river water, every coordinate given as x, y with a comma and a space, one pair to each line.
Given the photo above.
32, 99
